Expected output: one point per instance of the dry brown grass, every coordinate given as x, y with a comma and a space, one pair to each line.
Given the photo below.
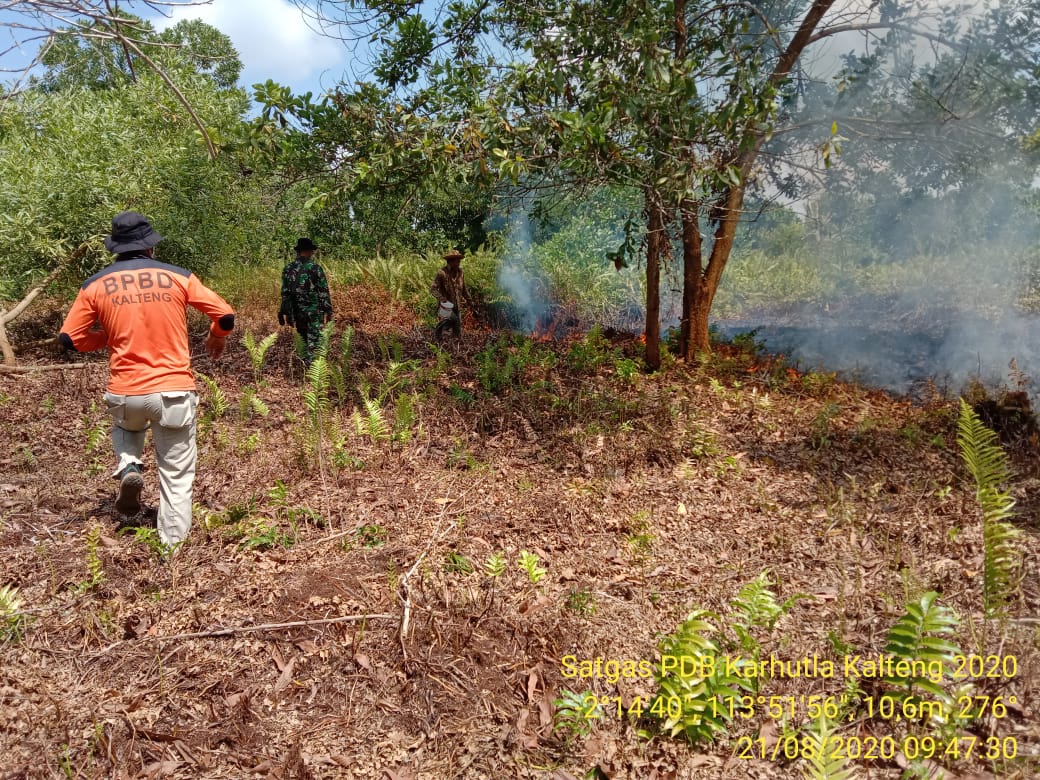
835, 490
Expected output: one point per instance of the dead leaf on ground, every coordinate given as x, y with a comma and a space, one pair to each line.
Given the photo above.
160, 769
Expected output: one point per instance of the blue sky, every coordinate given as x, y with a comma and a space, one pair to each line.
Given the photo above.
272, 37
274, 41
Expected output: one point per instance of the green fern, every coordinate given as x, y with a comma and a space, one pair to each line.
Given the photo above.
575, 713
12, 619
218, 402
95, 433
346, 346
95, 568
398, 377
495, 565
257, 352
824, 762
391, 349
300, 346
339, 369
756, 606
404, 417
316, 395
988, 465
325, 339
688, 702
928, 659
320, 422
251, 404
373, 422
529, 563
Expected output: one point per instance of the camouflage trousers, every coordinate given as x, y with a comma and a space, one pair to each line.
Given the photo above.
310, 331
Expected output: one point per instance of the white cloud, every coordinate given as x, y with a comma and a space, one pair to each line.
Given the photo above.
273, 42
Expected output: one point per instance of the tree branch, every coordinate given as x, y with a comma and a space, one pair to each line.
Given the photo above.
13, 314
161, 73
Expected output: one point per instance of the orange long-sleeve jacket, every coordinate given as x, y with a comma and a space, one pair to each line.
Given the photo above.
141, 306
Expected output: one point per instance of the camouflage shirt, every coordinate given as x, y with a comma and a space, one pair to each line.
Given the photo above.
305, 291
445, 287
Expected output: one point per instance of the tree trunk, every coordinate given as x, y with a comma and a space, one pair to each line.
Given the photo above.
704, 285
707, 283
654, 242
692, 248
5, 343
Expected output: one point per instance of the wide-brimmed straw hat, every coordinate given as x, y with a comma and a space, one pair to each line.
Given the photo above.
131, 232
453, 254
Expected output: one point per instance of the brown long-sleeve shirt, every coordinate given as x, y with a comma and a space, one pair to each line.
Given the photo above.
446, 287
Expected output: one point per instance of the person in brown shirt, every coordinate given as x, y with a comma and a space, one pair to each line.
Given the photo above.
449, 287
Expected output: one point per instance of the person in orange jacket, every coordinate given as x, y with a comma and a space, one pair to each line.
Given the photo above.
137, 307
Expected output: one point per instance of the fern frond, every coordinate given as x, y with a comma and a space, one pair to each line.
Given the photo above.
756, 604
325, 340
300, 346
981, 451
346, 346
698, 688
404, 417
824, 762
1002, 566
988, 465
917, 640
12, 620
259, 406
375, 422
217, 399
257, 352
316, 397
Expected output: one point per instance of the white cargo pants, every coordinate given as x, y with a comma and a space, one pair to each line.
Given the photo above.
171, 416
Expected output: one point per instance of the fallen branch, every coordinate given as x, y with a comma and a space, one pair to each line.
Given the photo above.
49, 342
236, 630
48, 367
7, 316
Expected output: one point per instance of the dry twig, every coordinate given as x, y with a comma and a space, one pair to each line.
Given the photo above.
236, 630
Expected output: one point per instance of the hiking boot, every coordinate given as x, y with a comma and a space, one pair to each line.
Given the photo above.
129, 500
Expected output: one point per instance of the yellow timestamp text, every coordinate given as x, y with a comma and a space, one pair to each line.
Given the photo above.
872, 748
796, 706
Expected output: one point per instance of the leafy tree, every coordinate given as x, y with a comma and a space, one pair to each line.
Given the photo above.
675, 99
933, 159
93, 59
115, 44
374, 175
72, 155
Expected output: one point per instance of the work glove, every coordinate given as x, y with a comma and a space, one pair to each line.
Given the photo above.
215, 345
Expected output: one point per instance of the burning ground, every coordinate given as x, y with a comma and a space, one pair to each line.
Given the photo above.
365, 615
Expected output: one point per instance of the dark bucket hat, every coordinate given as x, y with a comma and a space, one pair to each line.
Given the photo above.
130, 232
305, 245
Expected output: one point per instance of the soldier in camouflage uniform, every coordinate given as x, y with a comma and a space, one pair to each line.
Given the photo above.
305, 296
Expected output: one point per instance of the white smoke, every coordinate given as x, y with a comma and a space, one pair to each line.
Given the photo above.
520, 275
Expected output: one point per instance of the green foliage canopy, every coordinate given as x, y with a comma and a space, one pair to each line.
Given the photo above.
73, 155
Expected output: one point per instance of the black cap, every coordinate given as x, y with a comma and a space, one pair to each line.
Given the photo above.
131, 231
